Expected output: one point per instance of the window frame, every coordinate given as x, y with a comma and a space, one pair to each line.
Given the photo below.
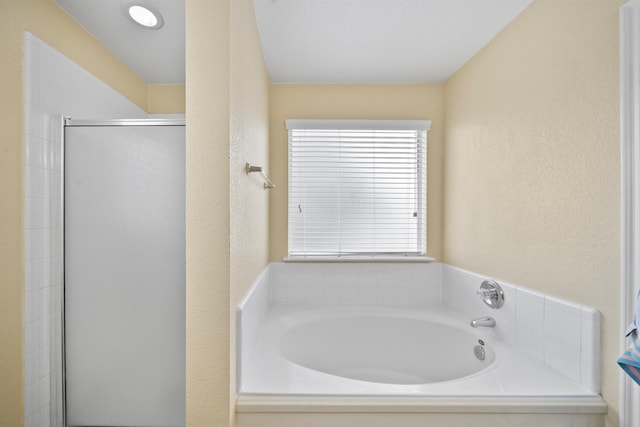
366, 125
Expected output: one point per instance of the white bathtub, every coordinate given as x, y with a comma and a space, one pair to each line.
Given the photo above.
381, 345
390, 351
409, 363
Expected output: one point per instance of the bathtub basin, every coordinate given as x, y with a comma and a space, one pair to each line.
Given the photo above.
308, 350
390, 348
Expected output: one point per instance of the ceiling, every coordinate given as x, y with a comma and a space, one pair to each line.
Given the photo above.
376, 41
317, 41
157, 56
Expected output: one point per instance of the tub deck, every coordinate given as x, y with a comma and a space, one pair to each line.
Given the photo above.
326, 411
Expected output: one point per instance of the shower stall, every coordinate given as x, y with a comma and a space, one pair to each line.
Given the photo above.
124, 272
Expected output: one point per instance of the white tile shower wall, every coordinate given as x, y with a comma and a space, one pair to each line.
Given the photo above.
250, 318
560, 334
404, 284
53, 85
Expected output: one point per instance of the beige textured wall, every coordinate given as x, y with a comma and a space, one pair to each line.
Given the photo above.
227, 125
207, 94
387, 101
166, 99
11, 246
48, 22
532, 161
249, 201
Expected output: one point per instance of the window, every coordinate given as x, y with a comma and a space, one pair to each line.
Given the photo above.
357, 188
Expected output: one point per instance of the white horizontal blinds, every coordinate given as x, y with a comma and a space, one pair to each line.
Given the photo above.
356, 190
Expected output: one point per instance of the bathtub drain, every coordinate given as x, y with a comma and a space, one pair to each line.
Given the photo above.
479, 352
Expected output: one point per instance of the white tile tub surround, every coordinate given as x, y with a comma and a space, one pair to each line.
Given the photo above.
562, 335
459, 289
53, 86
402, 284
250, 317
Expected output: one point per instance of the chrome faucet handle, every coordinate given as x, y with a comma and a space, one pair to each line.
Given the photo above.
486, 293
491, 293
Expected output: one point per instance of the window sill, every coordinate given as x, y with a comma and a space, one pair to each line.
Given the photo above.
359, 258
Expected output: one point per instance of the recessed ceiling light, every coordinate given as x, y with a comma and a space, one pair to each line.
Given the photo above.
145, 16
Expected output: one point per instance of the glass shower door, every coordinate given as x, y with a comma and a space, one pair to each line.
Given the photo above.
124, 198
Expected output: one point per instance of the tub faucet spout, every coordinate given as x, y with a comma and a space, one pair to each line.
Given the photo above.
483, 321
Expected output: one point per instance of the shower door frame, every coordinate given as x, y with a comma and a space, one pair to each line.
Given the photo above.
70, 122
629, 194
